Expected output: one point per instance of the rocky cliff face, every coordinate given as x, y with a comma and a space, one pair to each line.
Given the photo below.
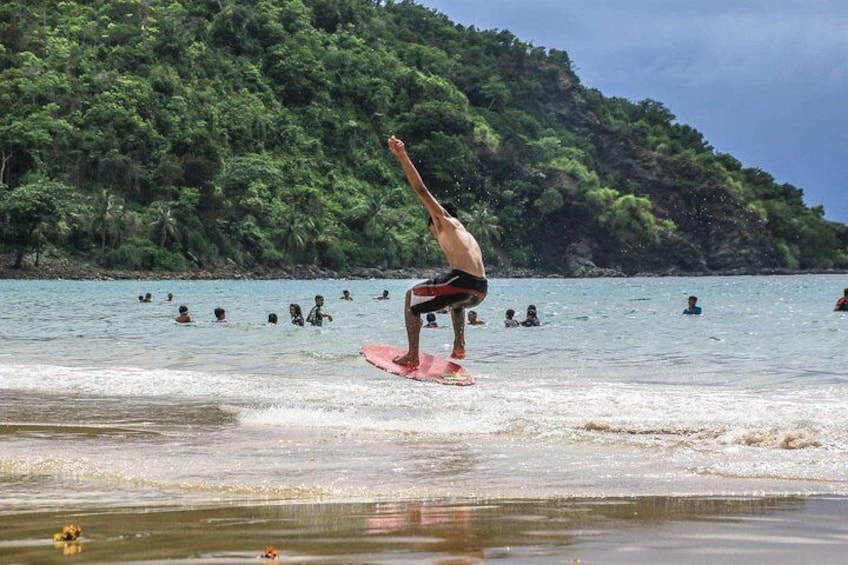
716, 230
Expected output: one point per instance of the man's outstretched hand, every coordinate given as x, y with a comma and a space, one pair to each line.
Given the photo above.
396, 146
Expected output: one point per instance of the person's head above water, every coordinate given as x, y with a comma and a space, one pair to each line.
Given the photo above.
183, 317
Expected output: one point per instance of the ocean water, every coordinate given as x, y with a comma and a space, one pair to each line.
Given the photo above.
106, 401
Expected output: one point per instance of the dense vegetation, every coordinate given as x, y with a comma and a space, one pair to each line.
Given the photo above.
182, 134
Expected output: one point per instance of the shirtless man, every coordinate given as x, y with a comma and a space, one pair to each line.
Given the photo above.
463, 286
184, 317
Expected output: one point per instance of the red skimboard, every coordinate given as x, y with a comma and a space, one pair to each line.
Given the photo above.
430, 368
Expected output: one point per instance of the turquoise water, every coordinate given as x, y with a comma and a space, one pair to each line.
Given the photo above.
105, 400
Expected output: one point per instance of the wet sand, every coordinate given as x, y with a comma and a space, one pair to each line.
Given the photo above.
640, 530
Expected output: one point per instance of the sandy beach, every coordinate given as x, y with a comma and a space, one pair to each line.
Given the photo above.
640, 530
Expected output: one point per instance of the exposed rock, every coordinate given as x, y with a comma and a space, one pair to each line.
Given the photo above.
579, 263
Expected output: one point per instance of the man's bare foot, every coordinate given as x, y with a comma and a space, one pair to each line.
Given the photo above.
458, 353
407, 360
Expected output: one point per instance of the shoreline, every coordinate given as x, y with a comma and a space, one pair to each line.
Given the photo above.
645, 530
66, 269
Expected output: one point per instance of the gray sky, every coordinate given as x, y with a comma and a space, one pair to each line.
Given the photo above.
763, 80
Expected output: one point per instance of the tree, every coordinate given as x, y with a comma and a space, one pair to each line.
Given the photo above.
296, 232
27, 211
482, 223
376, 213
421, 247
163, 225
106, 218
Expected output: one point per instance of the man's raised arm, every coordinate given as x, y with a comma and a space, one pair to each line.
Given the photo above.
435, 209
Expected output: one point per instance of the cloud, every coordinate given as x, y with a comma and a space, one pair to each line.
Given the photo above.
775, 48
694, 43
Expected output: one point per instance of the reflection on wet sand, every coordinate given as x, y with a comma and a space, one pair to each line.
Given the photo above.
638, 530
436, 528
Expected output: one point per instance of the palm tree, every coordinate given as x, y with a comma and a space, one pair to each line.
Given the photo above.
106, 219
482, 223
422, 246
374, 211
296, 232
163, 224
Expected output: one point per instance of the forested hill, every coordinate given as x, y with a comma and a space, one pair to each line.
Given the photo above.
185, 134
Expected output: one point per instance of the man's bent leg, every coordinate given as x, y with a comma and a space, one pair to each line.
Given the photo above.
458, 321
413, 334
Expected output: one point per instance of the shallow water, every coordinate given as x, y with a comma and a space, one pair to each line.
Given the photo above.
105, 401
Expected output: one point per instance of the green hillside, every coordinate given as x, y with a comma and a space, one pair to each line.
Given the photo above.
187, 134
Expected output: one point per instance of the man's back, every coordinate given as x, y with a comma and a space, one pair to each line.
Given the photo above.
461, 249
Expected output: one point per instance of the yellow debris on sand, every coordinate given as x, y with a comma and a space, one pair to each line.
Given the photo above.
70, 532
